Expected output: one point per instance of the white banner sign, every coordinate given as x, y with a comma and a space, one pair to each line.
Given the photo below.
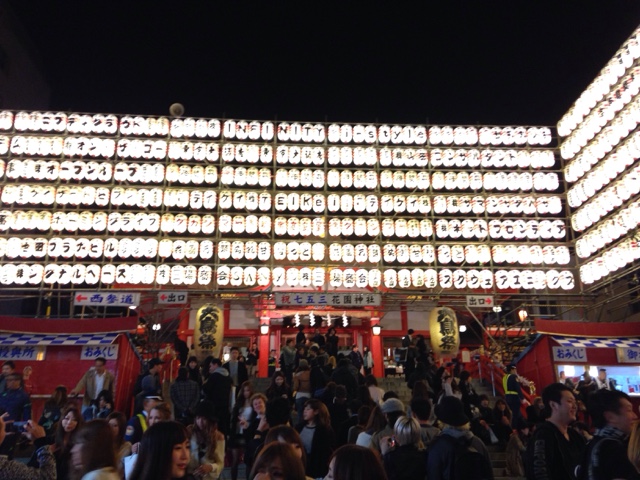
22, 352
569, 355
91, 352
475, 301
628, 354
173, 298
328, 299
106, 299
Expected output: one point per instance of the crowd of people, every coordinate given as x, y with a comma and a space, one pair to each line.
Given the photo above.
323, 416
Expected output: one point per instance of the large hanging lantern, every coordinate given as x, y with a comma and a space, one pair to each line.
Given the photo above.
443, 326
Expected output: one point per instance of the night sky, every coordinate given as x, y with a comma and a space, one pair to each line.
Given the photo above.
444, 62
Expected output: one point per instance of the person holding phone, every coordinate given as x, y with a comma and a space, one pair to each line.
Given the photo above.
13, 470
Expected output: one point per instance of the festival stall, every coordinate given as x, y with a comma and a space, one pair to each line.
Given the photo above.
58, 357
572, 348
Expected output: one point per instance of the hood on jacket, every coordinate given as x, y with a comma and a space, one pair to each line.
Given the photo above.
221, 371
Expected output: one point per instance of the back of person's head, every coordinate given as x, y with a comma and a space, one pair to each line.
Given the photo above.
420, 390
95, 443
464, 375
287, 434
553, 393
278, 411
341, 392
279, 460
389, 394
603, 401
370, 380
407, 431
421, 408
353, 462
364, 412
216, 361
364, 395
183, 374
344, 362
377, 420
156, 448
59, 396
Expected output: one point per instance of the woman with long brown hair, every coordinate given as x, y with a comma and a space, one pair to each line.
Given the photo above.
93, 454
70, 422
207, 443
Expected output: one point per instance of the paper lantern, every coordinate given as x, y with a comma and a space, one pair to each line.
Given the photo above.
390, 278
264, 251
443, 326
445, 278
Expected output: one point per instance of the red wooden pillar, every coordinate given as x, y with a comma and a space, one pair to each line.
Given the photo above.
376, 350
263, 347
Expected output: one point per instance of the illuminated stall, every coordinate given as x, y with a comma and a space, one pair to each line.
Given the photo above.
61, 351
574, 347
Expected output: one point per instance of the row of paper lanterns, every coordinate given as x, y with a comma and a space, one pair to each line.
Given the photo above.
285, 131
623, 59
137, 274
613, 228
605, 111
292, 202
127, 222
617, 258
604, 142
293, 178
125, 148
614, 164
607, 201
124, 248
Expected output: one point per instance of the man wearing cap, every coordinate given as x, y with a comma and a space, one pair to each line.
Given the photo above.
95, 380
151, 384
513, 392
441, 455
392, 409
138, 424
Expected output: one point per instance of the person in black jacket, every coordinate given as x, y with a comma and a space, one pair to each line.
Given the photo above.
217, 389
404, 455
317, 437
555, 450
342, 376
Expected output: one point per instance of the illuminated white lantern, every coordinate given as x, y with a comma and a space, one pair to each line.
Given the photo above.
223, 275
437, 181
455, 228
335, 227
360, 227
335, 252
428, 253
389, 253
402, 253
374, 253
401, 228
445, 278
336, 277
318, 227
553, 279
444, 254
457, 254
477, 205
390, 278
440, 204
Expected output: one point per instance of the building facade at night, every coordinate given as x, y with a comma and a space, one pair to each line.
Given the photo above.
242, 228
